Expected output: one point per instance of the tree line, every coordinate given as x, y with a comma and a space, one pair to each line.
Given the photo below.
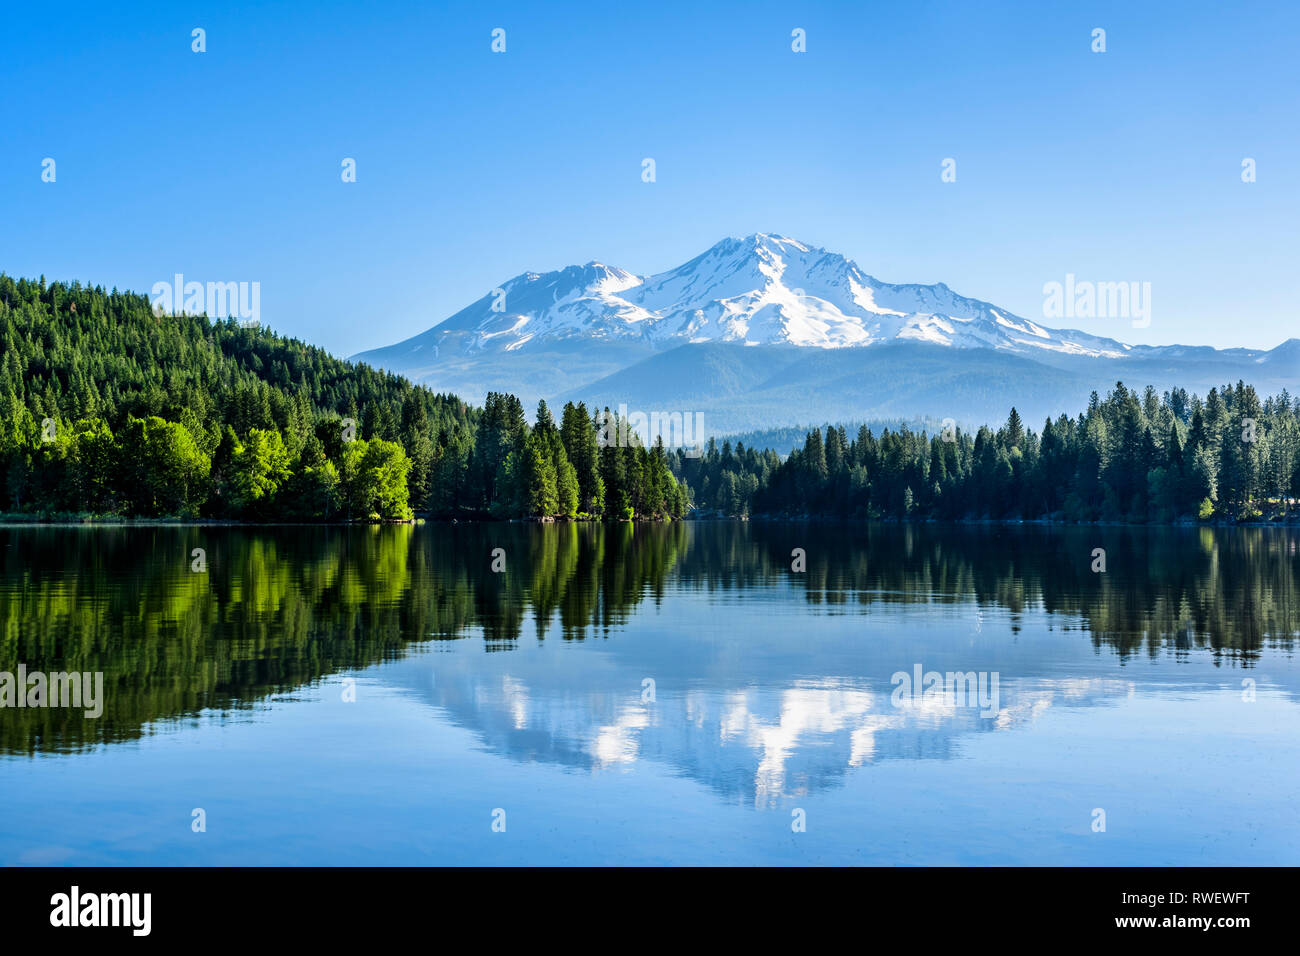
1128, 457
107, 408
573, 469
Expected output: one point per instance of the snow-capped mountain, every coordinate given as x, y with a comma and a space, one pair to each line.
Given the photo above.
767, 331
760, 290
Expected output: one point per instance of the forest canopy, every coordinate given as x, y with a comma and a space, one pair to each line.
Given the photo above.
107, 408
1128, 457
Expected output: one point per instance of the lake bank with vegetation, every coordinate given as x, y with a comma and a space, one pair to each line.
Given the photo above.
1288, 519
110, 412
109, 409
1130, 457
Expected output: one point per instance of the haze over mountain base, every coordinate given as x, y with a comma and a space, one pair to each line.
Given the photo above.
767, 331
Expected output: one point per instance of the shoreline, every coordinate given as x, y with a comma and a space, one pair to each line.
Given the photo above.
22, 521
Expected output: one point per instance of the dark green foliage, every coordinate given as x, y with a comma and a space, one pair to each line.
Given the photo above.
1127, 458
585, 466
109, 409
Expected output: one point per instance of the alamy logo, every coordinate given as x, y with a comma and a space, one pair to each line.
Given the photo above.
1083, 299
677, 429
103, 909
955, 689
61, 689
241, 300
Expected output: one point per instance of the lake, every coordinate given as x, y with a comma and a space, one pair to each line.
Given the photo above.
689, 693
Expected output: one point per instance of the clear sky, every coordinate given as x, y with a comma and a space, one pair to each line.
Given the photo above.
474, 166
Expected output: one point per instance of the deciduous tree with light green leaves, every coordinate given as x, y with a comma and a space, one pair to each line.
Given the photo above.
165, 471
372, 479
260, 466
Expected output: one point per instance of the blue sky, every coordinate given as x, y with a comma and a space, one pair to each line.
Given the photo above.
473, 167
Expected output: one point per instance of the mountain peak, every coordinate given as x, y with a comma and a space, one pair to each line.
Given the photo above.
759, 242
761, 289
772, 240
769, 328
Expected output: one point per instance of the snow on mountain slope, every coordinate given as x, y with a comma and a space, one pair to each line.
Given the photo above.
760, 290
579, 300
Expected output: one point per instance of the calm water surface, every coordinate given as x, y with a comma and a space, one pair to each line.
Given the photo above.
658, 694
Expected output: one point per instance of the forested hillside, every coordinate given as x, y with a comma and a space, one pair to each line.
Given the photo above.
109, 409
1128, 457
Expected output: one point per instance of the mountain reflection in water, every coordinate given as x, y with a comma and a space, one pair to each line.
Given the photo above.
767, 683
